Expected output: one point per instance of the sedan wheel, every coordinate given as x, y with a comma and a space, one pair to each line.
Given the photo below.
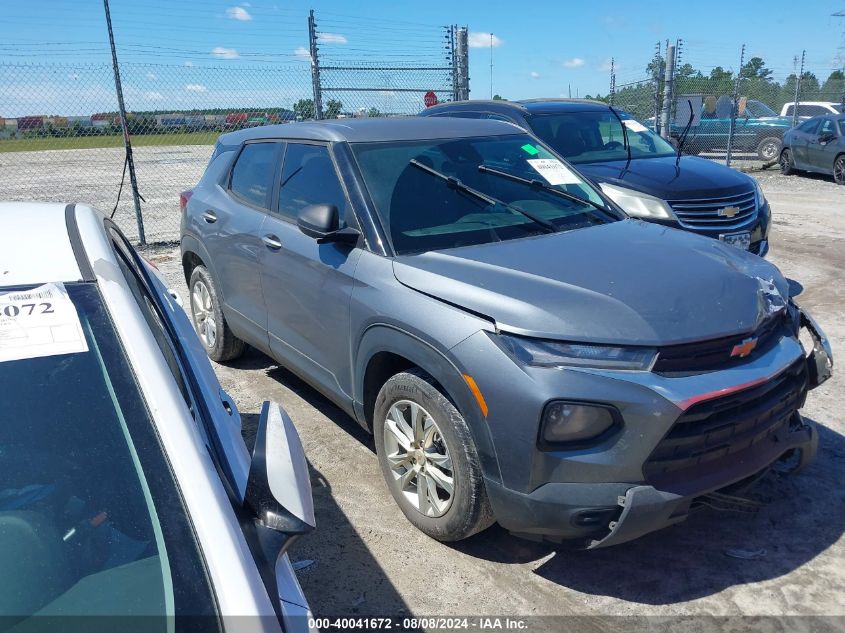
203, 312
418, 458
839, 170
787, 166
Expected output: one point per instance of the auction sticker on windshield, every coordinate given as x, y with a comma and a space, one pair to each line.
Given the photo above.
553, 171
634, 126
39, 322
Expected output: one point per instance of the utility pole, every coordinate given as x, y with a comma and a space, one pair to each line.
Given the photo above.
612, 80
453, 58
656, 79
798, 78
315, 66
734, 107
127, 144
668, 91
491, 65
462, 65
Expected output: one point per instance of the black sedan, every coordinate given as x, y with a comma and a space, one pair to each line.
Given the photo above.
817, 145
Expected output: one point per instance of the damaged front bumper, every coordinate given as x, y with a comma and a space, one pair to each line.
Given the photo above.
820, 358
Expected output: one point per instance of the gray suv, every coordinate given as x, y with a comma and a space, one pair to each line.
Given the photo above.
521, 352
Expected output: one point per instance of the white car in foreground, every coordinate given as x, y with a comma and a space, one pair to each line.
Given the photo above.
125, 487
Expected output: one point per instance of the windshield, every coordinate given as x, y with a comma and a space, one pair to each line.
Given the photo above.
758, 109
90, 518
592, 137
422, 211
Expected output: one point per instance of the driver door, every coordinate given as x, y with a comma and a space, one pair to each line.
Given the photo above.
307, 286
822, 147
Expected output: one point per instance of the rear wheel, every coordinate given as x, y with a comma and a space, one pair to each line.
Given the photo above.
769, 148
428, 458
787, 166
839, 170
214, 333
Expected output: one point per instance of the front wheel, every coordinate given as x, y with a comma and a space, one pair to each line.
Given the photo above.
787, 166
769, 148
839, 170
428, 458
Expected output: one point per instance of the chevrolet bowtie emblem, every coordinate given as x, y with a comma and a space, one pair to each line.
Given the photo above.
728, 212
741, 350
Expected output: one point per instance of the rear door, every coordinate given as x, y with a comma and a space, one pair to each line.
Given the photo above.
235, 243
801, 139
307, 286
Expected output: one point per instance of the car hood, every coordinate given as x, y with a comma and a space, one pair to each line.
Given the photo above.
627, 282
692, 177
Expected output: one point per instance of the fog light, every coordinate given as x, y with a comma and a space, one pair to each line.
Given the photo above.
572, 422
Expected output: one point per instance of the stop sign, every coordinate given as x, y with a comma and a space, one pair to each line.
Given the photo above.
430, 99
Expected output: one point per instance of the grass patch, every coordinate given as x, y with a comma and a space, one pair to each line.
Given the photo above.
94, 142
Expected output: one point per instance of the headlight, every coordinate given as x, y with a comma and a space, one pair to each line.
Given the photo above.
638, 205
575, 422
545, 353
761, 197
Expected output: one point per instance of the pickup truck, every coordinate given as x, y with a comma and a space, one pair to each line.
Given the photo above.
759, 129
807, 109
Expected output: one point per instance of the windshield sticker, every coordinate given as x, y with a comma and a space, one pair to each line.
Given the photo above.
530, 149
39, 322
634, 126
554, 172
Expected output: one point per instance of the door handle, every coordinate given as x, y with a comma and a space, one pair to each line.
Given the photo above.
272, 242
209, 216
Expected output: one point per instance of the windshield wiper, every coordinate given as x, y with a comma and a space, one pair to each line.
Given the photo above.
683, 138
539, 184
455, 183
624, 131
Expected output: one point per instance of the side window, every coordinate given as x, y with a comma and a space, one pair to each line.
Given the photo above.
252, 175
500, 117
789, 110
809, 127
463, 114
308, 177
827, 127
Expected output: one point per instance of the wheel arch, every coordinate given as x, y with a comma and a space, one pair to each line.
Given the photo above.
385, 350
195, 254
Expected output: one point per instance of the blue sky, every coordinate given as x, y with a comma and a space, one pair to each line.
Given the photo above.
541, 48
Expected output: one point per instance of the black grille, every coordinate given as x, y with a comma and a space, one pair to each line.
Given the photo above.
690, 358
708, 213
723, 426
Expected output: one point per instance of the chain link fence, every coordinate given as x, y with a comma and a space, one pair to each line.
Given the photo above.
733, 116
61, 137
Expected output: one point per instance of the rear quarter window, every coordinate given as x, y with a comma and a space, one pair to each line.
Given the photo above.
254, 172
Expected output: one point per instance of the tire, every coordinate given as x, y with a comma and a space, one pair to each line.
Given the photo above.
839, 170
787, 166
442, 445
768, 148
218, 340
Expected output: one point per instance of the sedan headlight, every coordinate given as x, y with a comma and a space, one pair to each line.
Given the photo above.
546, 353
637, 204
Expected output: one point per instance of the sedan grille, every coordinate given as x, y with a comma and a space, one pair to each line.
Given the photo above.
728, 425
716, 213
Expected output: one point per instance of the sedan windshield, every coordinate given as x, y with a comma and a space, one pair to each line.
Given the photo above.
597, 136
445, 193
91, 522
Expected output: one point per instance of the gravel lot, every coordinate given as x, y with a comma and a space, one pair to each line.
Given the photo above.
369, 561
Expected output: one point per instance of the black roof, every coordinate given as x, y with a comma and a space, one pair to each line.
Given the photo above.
525, 106
372, 130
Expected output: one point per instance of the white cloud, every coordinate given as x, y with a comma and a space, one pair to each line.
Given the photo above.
482, 40
332, 38
575, 62
302, 53
153, 96
534, 74
239, 13
195, 88
189, 63
225, 53
152, 76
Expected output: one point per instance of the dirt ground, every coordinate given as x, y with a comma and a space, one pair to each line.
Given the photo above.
368, 560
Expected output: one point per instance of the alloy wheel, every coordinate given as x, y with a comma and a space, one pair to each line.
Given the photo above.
769, 150
419, 459
203, 312
786, 161
839, 170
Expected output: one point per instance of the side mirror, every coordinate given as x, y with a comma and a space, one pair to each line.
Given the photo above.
321, 222
278, 489
318, 220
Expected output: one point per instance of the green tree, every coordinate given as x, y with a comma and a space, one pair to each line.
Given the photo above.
304, 109
755, 68
333, 108
498, 98
833, 88
373, 112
